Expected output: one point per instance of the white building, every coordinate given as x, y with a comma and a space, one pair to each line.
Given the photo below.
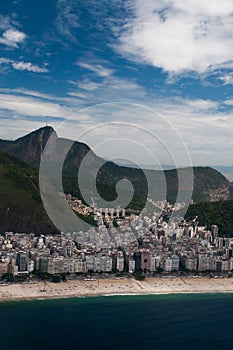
131, 265
120, 261
168, 264
152, 263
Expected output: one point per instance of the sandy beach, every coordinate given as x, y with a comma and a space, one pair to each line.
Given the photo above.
81, 288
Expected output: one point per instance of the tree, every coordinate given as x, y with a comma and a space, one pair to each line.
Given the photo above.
56, 278
63, 277
159, 270
8, 277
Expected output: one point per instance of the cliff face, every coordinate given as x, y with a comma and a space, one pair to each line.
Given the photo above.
30, 147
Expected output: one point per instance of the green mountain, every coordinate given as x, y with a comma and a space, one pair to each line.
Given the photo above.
206, 179
217, 213
30, 147
21, 209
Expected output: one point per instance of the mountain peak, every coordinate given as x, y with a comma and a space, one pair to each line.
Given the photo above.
30, 147
44, 130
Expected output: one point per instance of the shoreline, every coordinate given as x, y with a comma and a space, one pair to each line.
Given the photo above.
113, 287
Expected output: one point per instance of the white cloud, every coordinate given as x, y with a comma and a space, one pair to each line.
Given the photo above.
77, 94
28, 66
23, 66
229, 102
179, 36
10, 129
205, 130
4, 60
27, 92
67, 19
12, 37
227, 79
111, 88
28, 106
200, 104
88, 85
100, 70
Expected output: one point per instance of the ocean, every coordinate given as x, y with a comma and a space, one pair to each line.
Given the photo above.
182, 321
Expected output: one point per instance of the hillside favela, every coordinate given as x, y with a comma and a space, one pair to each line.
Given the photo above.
116, 174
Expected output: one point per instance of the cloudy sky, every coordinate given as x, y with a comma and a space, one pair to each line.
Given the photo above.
164, 66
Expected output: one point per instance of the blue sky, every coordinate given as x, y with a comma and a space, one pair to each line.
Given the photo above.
175, 57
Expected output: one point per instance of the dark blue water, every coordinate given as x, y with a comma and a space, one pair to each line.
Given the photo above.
119, 322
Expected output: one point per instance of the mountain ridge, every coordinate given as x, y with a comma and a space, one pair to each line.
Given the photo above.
30, 147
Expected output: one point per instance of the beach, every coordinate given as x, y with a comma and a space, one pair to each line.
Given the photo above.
82, 288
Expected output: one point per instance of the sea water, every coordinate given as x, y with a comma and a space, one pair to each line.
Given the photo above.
183, 321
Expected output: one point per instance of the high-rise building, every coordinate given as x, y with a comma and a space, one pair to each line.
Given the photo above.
131, 265
219, 266
191, 263
168, 264
152, 263
145, 260
202, 264
108, 264
97, 265
120, 261
56, 265
30, 265
90, 261
175, 263
220, 243
137, 258
43, 264
214, 231
21, 261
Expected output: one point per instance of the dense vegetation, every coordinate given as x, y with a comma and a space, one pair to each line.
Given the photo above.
218, 213
21, 208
